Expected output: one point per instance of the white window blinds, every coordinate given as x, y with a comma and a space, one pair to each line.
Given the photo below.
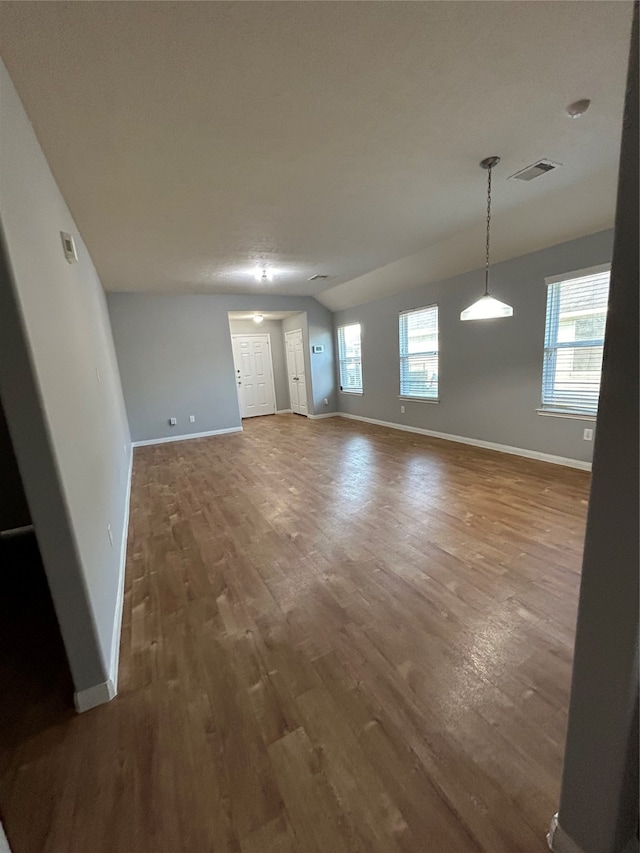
419, 353
350, 358
574, 341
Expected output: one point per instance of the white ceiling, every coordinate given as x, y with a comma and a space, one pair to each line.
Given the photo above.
268, 315
196, 141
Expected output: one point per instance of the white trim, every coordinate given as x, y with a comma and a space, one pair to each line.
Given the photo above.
17, 531
558, 840
117, 624
352, 393
326, 415
567, 276
420, 308
94, 696
101, 693
4, 844
558, 413
476, 442
284, 412
168, 438
419, 399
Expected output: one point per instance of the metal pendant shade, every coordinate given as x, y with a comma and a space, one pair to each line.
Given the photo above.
487, 307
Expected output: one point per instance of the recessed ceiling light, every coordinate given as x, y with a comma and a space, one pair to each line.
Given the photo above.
258, 318
264, 275
578, 108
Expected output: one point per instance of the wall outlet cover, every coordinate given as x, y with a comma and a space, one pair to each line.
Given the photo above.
317, 348
192, 419
173, 421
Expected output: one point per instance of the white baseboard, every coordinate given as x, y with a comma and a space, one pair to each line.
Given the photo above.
4, 844
325, 415
558, 840
101, 693
17, 531
170, 438
475, 442
117, 625
283, 412
94, 696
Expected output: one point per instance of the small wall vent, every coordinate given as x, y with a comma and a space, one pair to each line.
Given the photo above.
535, 170
318, 277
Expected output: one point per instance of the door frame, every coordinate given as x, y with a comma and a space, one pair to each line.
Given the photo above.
306, 378
266, 335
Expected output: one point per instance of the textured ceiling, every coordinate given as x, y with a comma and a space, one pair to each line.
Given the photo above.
196, 141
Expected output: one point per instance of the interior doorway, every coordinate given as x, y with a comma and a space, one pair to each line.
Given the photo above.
296, 372
254, 375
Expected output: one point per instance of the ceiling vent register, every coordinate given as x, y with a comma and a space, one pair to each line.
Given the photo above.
535, 170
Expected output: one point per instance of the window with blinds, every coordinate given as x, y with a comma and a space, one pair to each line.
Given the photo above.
419, 353
574, 341
350, 358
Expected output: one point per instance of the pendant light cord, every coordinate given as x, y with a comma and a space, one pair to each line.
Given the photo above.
486, 269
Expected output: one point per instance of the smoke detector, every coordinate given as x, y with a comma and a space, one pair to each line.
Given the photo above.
535, 170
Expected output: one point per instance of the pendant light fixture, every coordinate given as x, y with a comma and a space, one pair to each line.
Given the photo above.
486, 308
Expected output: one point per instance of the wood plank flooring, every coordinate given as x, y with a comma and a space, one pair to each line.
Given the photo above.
337, 638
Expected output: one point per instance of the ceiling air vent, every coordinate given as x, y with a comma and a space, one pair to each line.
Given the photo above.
535, 170
318, 277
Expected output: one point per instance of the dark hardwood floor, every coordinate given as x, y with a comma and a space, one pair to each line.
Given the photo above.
337, 638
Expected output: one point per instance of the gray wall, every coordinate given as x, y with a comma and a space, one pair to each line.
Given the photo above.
490, 371
175, 358
14, 511
273, 328
599, 801
69, 429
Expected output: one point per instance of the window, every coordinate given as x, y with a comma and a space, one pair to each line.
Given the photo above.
574, 341
419, 353
350, 357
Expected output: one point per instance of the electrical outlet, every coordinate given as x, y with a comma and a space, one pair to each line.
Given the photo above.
173, 421
192, 419
110, 535
326, 401
402, 410
588, 435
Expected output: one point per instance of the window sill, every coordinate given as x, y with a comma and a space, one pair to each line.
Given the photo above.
351, 393
561, 413
420, 399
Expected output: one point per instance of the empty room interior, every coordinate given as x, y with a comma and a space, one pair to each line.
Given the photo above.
319, 427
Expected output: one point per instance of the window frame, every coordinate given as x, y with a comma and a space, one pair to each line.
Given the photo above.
427, 353
551, 344
357, 392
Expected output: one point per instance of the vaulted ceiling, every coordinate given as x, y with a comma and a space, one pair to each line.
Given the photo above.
198, 142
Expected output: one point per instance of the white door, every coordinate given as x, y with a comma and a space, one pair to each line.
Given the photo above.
295, 370
254, 376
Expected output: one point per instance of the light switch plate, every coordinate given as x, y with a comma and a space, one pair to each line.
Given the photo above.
69, 247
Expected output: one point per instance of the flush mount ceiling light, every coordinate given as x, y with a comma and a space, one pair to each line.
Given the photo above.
258, 318
578, 108
264, 275
486, 308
